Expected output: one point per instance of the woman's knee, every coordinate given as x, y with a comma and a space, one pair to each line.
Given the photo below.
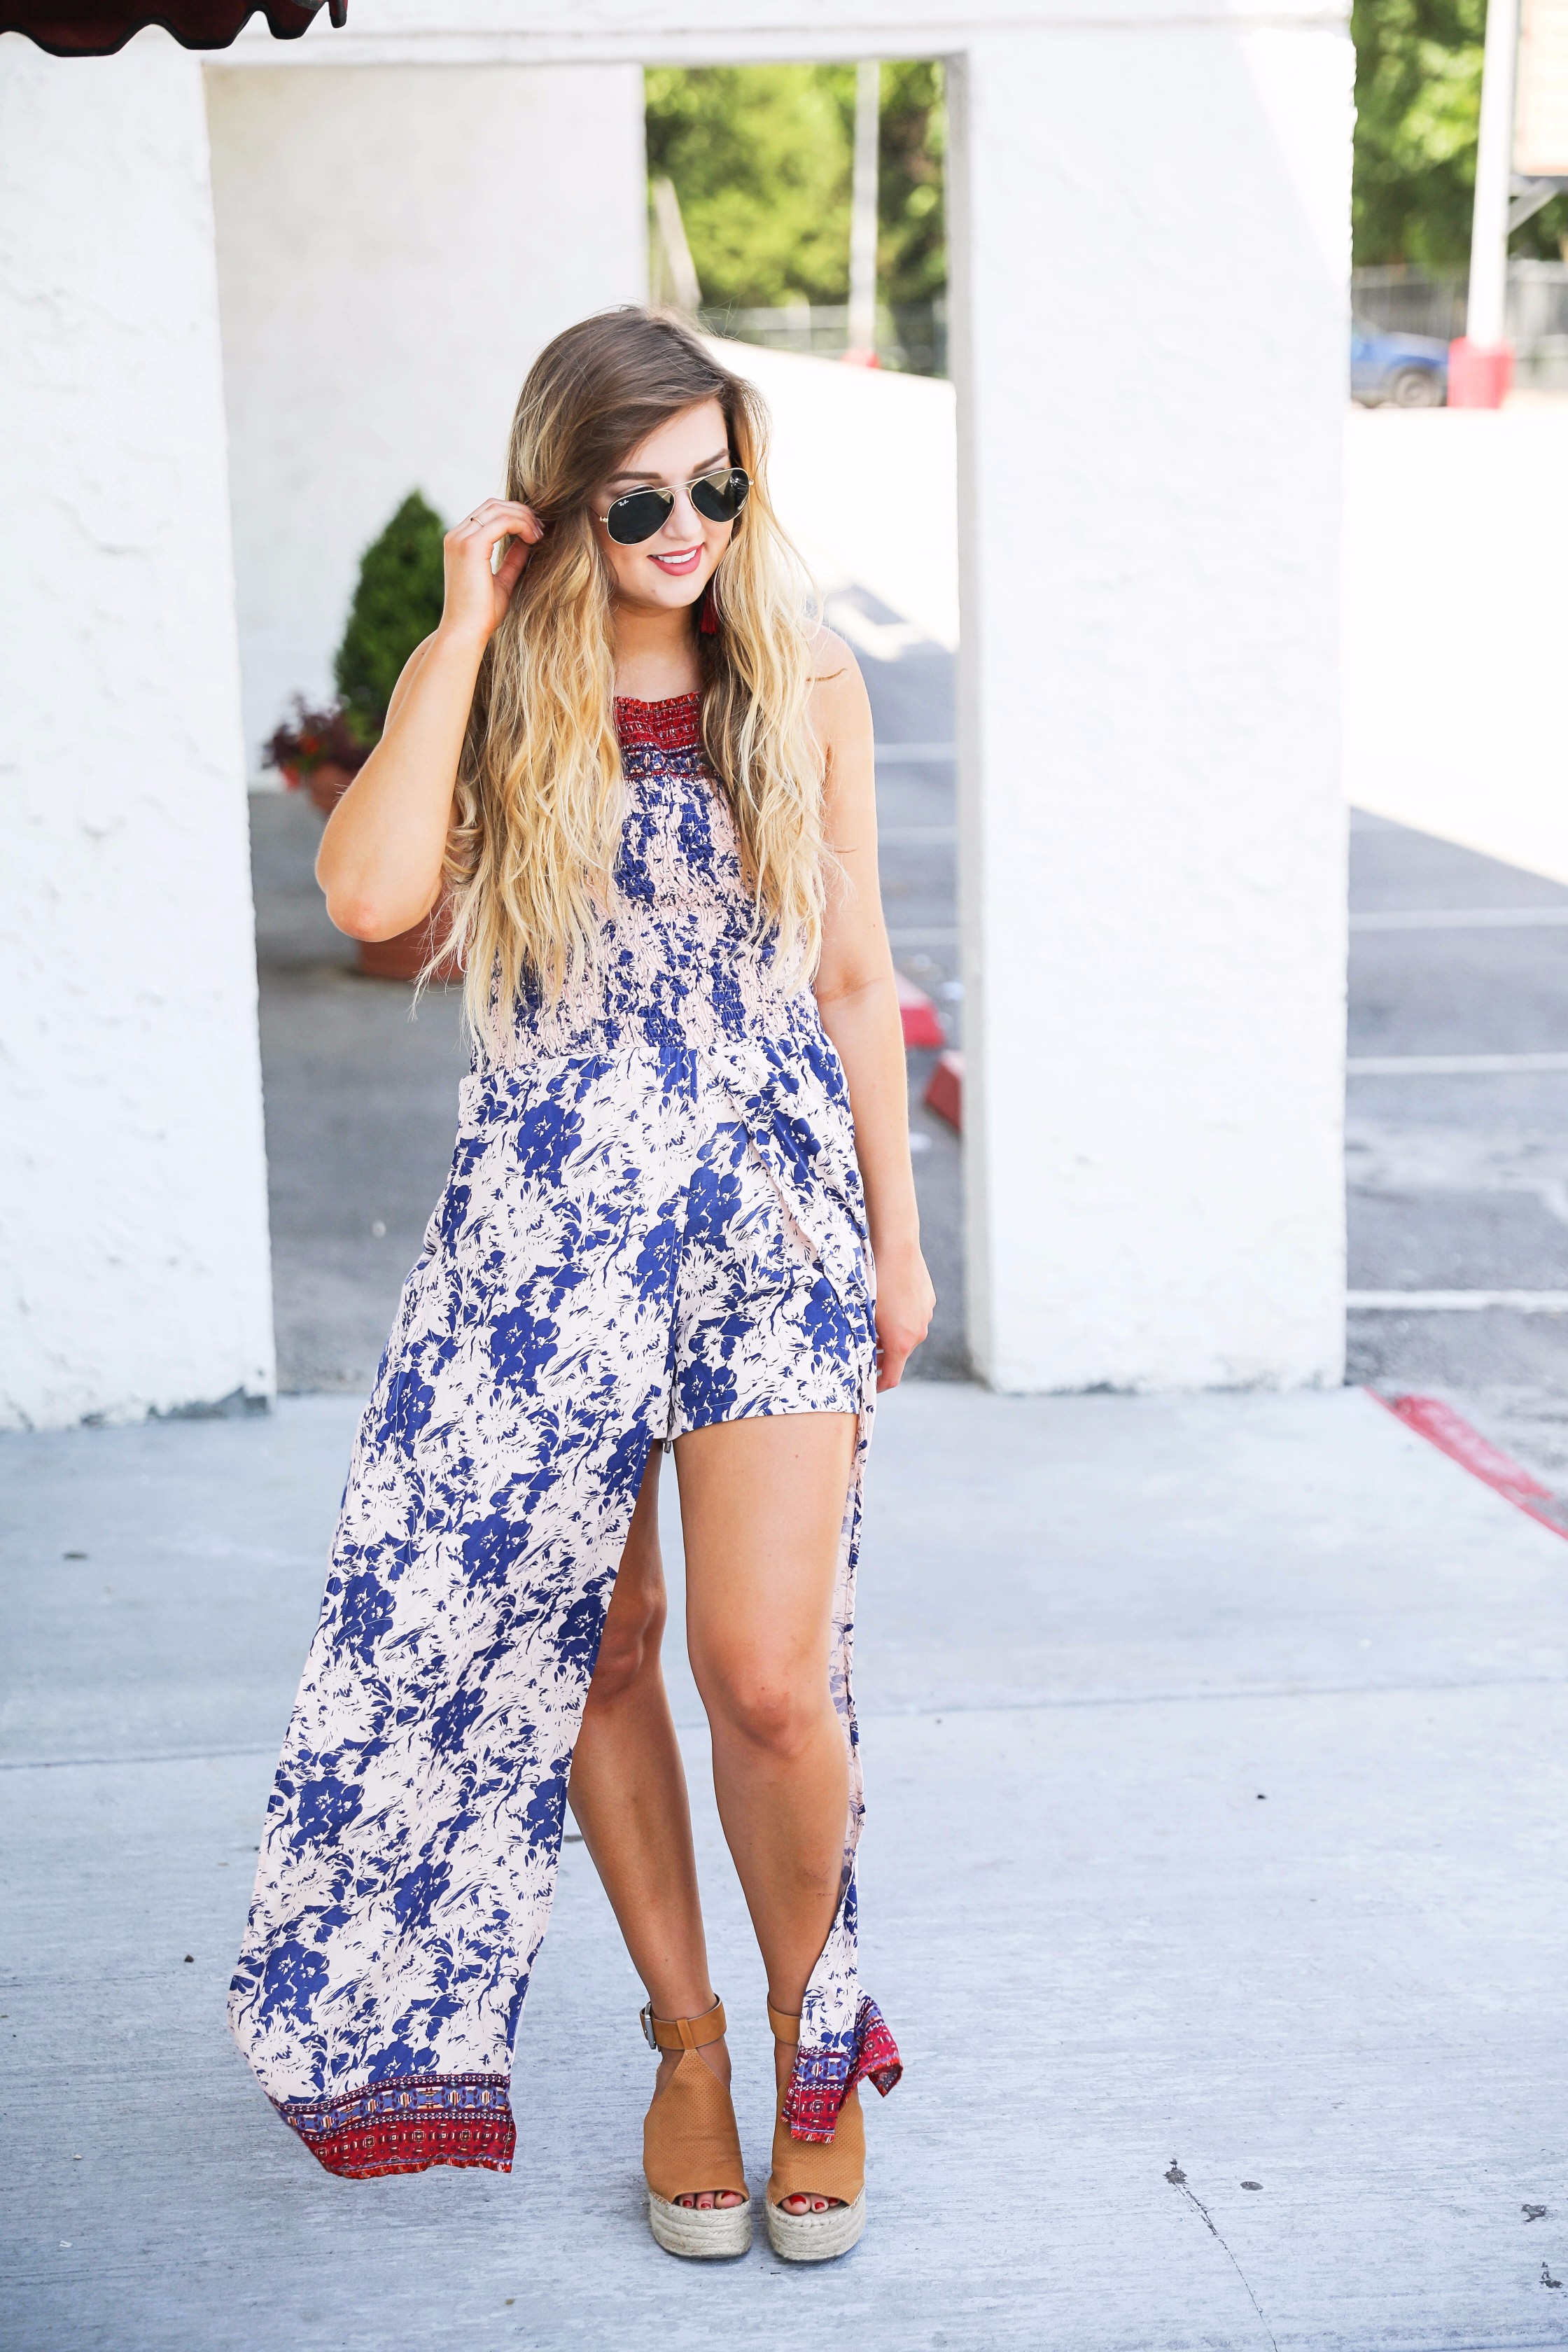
629, 1647
774, 1710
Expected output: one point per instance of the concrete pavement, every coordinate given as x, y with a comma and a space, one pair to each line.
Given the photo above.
1458, 1182
1217, 1796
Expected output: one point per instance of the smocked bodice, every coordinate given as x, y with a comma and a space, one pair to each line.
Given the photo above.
681, 963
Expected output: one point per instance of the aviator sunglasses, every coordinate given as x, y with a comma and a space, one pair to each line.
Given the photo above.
718, 498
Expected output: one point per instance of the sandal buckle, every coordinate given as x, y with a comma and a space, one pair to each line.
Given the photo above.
644, 2018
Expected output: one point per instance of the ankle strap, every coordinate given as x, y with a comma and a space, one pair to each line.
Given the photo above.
682, 2032
785, 2022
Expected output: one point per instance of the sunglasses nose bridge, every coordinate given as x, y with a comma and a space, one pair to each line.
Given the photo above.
683, 518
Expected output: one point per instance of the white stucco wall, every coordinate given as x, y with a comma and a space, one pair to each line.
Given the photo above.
1150, 338
133, 1253
395, 244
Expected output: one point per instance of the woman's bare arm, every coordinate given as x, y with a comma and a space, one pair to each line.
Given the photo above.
380, 860
859, 1002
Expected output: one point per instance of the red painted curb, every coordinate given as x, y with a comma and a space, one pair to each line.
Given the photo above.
1451, 1433
922, 1022
944, 1091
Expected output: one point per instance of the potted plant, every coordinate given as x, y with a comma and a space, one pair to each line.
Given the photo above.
397, 602
317, 752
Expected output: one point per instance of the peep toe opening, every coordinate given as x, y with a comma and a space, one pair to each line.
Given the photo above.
833, 2169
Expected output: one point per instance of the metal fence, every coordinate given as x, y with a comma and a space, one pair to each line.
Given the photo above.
911, 337
1404, 300
1537, 322
1401, 298
1407, 301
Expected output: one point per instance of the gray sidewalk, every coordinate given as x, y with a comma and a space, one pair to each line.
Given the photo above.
1217, 1804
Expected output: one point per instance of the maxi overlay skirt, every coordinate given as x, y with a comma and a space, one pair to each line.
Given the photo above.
412, 1837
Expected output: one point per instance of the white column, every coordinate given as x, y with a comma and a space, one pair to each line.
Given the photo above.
1487, 308
1152, 240
395, 244
862, 334
133, 1253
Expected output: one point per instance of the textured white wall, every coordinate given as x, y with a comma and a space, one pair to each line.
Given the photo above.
1152, 226
395, 244
702, 32
133, 1255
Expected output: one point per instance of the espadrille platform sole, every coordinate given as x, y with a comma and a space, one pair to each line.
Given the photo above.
816, 2237
701, 2236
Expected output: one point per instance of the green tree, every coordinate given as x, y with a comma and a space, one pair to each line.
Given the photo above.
762, 158
397, 602
1418, 95
911, 184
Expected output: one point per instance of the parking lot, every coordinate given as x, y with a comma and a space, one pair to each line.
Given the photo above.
1457, 1177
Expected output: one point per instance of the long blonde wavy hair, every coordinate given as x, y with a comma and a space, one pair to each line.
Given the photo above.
531, 854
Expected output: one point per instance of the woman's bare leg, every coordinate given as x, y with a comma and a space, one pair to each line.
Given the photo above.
762, 1506
628, 1794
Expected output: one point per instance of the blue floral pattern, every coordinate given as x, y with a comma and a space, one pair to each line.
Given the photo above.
653, 1222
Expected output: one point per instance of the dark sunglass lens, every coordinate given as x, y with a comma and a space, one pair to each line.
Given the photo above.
721, 496
638, 515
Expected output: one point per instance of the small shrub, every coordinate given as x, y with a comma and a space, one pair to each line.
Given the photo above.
397, 602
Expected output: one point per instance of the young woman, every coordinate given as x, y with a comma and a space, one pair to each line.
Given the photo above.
641, 781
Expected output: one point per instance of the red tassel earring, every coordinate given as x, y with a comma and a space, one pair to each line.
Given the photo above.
709, 623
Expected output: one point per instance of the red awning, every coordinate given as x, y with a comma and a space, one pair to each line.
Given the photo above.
96, 28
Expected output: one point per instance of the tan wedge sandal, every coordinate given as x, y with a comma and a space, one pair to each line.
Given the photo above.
835, 2167
690, 2145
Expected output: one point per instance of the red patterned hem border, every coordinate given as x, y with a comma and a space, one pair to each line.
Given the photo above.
675, 725
823, 2079
407, 2125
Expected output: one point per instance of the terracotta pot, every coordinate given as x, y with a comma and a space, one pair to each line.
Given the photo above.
327, 784
403, 958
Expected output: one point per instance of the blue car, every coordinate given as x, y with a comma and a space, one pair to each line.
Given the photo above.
1406, 371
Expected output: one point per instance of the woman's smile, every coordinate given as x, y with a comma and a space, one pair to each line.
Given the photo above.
681, 562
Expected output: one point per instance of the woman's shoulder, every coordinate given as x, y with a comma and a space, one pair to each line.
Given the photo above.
830, 656
840, 704
841, 717
838, 697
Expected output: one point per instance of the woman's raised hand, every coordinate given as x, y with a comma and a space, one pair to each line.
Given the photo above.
475, 596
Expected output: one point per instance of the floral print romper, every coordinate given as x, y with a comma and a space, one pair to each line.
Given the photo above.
654, 1221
